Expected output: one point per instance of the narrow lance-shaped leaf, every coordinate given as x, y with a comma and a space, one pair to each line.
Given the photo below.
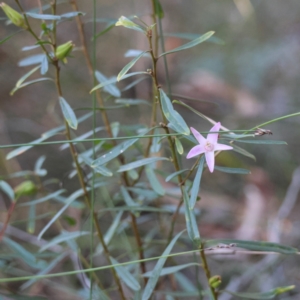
6, 188
111, 88
139, 163
173, 116
254, 245
155, 184
150, 286
43, 17
129, 66
114, 80
67, 203
232, 170
103, 171
68, 113
262, 142
158, 9
45, 270
45, 136
30, 83
123, 21
242, 151
115, 152
171, 270
196, 184
191, 44
110, 232
63, 237
261, 296
178, 146
168, 178
31, 219
126, 276
127, 198
190, 219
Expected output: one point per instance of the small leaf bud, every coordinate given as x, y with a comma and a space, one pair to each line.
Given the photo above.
15, 17
26, 188
64, 50
215, 281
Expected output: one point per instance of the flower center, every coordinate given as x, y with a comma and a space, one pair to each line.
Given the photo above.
208, 146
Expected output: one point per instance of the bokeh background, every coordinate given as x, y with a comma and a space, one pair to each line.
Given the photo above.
246, 76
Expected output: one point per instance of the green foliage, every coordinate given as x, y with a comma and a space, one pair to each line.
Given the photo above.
114, 210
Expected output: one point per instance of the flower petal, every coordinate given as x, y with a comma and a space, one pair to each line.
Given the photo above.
195, 151
222, 147
210, 160
199, 137
213, 137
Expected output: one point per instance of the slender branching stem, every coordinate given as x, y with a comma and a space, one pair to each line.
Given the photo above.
109, 131
207, 271
175, 159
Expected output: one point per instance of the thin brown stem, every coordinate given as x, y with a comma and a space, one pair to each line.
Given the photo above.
9, 214
176, 163
83, 186
109, 131
207, 271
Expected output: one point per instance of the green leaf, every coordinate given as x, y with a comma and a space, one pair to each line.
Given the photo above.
127, 198
111, 88
129, 102
48, 197
103, 170
68, 113
262, 142
31, 219
67, 203
24, 254
110, 232
173, 116
114, 152
139, 163
38, 166
105, 30
123, 21
64, 236
178, 146
6, 188
45, 270
191, 44
9, 37
242, 151
191, 224
232, 170
31, 60
43, 17
72, 14
261, 296
129, 66
24, 77
29, 83
150, 286
196, 184
155, 184
254, 245
192, 36
168, 178
126, 276
158, 9
171, 270
45, 136
114, 80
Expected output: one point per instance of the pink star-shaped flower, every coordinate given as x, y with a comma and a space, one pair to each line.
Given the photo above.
208, 146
